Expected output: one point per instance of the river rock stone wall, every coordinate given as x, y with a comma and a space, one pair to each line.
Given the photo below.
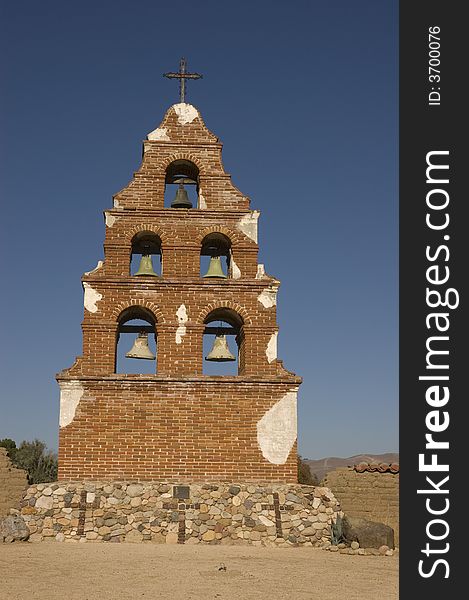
215, 513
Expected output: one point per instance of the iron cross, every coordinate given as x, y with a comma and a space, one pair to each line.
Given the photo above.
182, 76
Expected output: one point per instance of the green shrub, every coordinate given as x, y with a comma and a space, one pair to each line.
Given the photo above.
304, 473
34, 457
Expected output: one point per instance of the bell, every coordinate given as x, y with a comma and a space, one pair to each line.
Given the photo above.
140, 349
220, 351
215, 268
146, 266
182, 199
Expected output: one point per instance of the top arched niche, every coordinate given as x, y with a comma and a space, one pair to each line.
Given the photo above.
183, 172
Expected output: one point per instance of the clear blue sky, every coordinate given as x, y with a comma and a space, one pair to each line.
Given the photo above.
304, 96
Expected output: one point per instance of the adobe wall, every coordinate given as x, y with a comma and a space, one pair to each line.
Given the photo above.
370, 495
13, 483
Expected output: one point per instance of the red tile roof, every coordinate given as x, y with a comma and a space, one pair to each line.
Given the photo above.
376, 467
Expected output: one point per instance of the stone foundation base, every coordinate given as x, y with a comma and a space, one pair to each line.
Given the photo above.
156, 512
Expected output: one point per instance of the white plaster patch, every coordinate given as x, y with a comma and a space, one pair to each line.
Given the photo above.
71, 393
186, 112
277, 430
110, 219
268, 297
248, 225
159, 134
260, 271
116, 203
97, 267
202, 202
228, 196
271, 350
181, 314
235, 272
90, 298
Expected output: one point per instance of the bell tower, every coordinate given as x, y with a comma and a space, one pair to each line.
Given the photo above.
180, 264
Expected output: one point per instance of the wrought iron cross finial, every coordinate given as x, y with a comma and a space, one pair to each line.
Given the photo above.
182, 76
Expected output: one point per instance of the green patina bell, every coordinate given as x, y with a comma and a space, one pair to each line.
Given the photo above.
146, 266
181, 199
140, 349
220, 351
215, 269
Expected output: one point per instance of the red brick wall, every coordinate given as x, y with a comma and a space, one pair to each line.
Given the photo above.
155, 430
176, 423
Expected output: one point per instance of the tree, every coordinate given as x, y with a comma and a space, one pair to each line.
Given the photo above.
34, 458
304, 473
10, 445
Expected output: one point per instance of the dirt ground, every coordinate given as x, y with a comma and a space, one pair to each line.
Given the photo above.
65, 571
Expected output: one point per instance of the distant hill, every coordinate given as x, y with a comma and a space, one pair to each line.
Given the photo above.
324, 465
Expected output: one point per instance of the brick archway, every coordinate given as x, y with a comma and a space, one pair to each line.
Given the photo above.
164, 164
150, 306
142, 227
237, 308
232, 235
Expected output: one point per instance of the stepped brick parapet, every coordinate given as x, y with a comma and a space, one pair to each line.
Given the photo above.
178, 422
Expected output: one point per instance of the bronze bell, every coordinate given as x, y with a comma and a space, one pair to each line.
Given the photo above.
140, 349
181, 199
215, 269
146, 266
220, 351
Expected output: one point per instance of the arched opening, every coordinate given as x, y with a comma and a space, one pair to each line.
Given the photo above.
215, 256
146, 257
222, 342
181, 185
136, 342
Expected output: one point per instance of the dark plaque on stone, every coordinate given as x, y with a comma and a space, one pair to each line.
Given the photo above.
181, 492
